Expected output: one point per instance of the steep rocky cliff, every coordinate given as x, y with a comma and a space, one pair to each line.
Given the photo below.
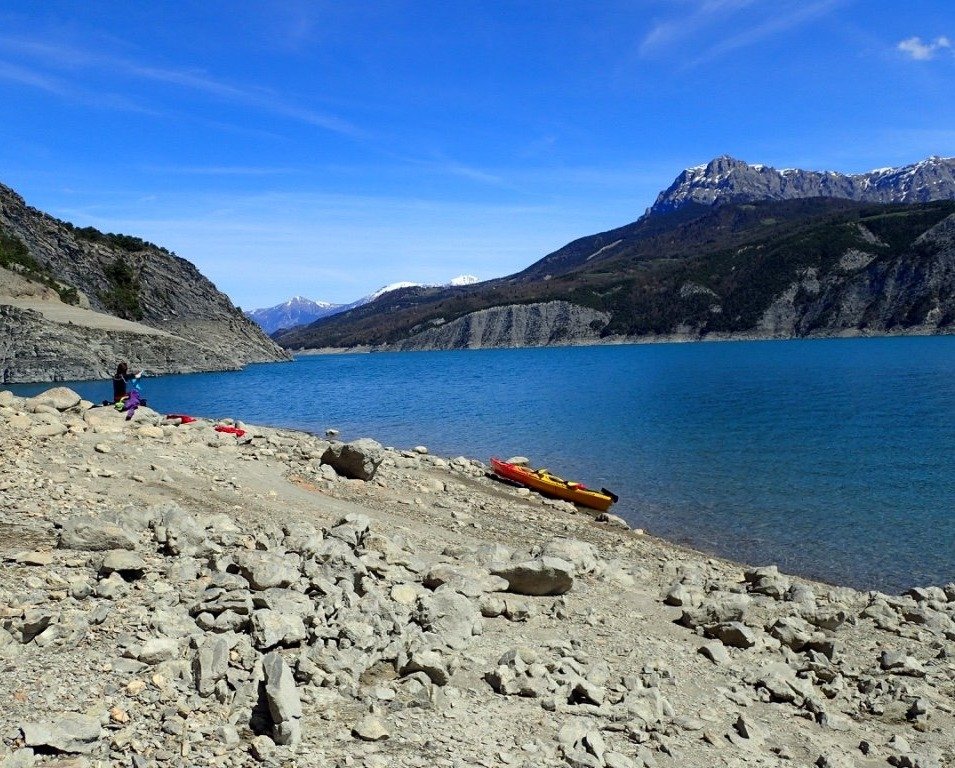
527, 325
113, 276
863, 293
35, 348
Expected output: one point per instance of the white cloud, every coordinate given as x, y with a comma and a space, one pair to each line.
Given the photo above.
920, 50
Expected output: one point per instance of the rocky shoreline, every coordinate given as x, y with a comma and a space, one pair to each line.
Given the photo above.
175, 595
613, 341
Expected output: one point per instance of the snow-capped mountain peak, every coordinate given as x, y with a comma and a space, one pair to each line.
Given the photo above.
726, 179
300, 310
387, 289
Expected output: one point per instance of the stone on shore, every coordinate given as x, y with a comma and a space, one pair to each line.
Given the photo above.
92, 535
60, 398
543, 576
283, 700
357, 460
71, 733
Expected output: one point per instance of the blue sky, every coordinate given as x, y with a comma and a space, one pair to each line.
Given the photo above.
329, 148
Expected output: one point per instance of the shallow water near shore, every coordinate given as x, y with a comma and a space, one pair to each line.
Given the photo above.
831, 458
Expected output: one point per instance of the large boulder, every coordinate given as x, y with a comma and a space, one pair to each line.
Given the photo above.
471, 581
127, 564
450, 616
180, 533
265, 570
581, 554
716, 610
543, 576
210, 664
358, 460
60, 398
271, 628
92, 535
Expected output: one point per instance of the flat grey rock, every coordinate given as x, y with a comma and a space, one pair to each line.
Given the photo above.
71, 733
543, 576
92, 535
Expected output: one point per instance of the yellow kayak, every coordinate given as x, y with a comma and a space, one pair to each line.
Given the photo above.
543, 481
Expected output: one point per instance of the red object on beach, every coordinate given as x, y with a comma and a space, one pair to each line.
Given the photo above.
229, 430
182, 417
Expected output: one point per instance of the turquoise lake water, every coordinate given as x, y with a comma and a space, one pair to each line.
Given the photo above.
832, 458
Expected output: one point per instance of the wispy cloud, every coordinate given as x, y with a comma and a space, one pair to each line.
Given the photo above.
57, 86
775, 25
919, 50
751, 20
23, 76
71, 58
672, 31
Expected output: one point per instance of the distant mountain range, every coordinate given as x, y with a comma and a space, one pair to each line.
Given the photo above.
301, 311
728, 180
729, 250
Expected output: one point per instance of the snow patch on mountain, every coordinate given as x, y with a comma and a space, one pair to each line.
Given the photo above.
726, 179
301, 311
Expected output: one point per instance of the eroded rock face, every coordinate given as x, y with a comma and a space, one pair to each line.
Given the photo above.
87, 347
525, 325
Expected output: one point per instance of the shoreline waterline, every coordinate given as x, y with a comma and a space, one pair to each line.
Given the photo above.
827, 458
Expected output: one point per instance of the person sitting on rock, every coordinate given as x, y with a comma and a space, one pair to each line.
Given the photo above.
121, 379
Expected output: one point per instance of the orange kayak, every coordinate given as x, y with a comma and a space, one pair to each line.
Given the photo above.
550, 485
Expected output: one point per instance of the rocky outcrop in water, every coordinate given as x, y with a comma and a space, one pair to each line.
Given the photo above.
109, 276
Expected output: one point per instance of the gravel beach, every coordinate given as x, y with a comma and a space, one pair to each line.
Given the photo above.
175, 595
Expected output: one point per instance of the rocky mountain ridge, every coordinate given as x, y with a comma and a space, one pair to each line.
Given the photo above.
108, 276
768, 269
298, 310
726, 179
